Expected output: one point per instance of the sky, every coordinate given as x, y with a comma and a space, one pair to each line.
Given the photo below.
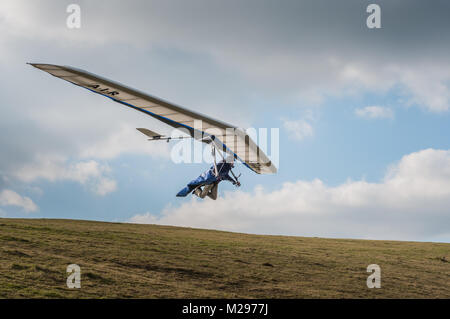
363, 114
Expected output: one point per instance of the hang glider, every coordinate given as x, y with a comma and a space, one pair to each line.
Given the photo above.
226, 137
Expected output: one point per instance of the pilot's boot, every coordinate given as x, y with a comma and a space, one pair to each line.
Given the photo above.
206, 190
198, 191
213, 193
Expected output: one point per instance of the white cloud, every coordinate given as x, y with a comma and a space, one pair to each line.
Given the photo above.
291, 57
428, 86
11, 198
89, 173
375, 112
298, 129
105, 186
412, 203
146, 218
125, 140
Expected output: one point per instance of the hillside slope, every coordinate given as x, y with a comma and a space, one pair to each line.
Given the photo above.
147, 261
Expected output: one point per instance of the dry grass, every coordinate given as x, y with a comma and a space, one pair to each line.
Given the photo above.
147, 261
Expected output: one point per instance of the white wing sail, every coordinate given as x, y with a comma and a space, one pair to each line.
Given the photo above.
225, 136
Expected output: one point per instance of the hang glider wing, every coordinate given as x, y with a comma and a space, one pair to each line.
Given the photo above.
225, 136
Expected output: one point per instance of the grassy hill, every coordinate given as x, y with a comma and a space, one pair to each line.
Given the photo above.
147, 261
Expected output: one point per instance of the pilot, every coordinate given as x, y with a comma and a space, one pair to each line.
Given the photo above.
210, 180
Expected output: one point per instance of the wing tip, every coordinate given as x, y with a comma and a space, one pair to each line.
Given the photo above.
43, 65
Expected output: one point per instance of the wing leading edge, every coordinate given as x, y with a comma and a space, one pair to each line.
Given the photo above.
225, 136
